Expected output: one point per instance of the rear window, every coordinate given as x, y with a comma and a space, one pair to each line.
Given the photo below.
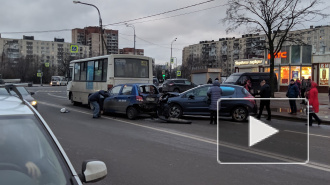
232, 79
148, 89
179, 81
227, 91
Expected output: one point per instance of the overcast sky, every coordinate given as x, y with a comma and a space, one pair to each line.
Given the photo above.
154, 34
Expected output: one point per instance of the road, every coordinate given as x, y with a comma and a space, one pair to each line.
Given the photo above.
148, 152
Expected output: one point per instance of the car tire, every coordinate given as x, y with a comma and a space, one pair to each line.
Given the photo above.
71, 99
239, 114
176, 90
131, 113
175, 111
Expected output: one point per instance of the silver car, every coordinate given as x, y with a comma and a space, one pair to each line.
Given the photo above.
30, 154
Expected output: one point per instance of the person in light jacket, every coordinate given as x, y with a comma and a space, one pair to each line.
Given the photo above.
214, 93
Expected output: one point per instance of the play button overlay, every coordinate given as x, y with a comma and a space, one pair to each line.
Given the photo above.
284, 139
258, 131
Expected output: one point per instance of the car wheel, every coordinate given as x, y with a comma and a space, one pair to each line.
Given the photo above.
131, 113
71, 99
175, 111
239, 114
176, 90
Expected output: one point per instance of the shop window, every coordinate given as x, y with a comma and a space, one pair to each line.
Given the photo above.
324, 74
306, 72
295, 72
284, 75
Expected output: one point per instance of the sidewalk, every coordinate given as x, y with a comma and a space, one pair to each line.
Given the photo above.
282, 110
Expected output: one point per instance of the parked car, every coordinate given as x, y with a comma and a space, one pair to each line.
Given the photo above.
177, 85
132, 99
254, 77
22, 91
27, 146
194, 102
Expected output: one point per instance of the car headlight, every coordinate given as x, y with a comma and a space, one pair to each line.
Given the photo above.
34, 103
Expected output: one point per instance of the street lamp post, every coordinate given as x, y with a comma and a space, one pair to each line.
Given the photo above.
100, 21
171, 57
132, 26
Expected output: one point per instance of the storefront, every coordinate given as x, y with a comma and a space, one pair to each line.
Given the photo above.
249, 65
293, 62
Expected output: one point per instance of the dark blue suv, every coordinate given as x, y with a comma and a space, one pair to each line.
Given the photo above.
194, 102
132, 99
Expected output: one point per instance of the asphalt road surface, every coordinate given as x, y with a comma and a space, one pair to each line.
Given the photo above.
147, 151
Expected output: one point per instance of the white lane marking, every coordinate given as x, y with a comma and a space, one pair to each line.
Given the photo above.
309, 134
64, 97
310, 164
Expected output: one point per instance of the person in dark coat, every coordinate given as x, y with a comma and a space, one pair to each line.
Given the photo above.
314, 101
95, 100
293, 92
215, 94
264, 93
209, 81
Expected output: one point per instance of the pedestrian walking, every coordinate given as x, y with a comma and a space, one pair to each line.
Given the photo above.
292, 93
209, 81
308, 87
214, 93
96, 100
314, 102
303, 89
298, 83
264, 93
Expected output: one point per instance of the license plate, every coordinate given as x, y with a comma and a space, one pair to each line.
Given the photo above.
150, 99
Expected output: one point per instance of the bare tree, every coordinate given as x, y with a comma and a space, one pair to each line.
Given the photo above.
274, 18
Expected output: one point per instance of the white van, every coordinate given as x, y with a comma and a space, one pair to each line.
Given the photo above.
58, 80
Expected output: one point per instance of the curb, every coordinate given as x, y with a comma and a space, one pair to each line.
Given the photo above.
324, 122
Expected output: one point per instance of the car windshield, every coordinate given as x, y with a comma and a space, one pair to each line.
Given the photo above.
23, 144
55, 79
232, 79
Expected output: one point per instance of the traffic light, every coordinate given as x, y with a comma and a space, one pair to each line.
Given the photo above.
163, 74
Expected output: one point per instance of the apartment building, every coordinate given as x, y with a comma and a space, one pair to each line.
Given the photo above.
311, 59
52, 52
90, 36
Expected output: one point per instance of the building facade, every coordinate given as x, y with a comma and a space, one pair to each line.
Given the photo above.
51, 52
90, 36
310, 60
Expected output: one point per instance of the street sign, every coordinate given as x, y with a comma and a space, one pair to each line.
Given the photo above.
178, 73
38, 74
172, 60
47, 64
74, 48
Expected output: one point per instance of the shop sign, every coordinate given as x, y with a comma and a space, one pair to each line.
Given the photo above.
324, 74
247, 62
280, 55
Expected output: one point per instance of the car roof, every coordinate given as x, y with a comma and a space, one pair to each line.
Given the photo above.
224, 85
11, 105
251, 73
135, 84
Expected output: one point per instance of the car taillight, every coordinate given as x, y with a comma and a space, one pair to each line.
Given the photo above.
250, 98
139, 98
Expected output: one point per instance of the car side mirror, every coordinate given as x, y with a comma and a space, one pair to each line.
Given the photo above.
32, 93
93, 171
191, 97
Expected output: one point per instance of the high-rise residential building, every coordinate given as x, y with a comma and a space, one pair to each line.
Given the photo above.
90, 36
248, 53
38, 51
130, 51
